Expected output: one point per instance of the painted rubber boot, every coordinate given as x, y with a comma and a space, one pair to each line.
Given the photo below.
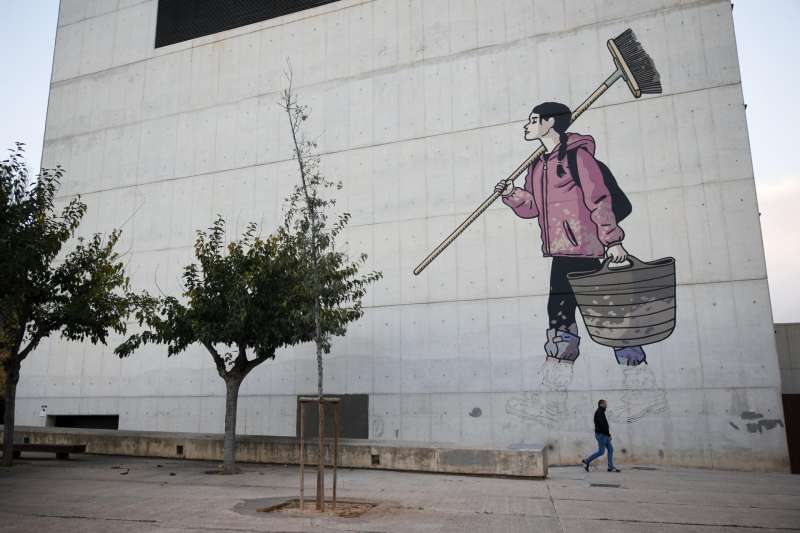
630, 355
562, 344
551, 346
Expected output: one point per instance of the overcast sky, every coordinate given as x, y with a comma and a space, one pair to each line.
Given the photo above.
768, 52
769, 48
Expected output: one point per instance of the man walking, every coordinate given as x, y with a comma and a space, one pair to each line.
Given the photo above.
603, 436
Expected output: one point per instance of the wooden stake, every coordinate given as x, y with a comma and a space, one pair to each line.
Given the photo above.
302, 453
335, 448
321, 463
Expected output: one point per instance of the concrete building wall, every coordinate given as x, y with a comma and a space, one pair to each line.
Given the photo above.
419, 107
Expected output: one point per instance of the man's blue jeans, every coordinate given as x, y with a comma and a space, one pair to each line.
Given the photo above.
603, 444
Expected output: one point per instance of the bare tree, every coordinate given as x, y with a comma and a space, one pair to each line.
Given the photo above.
335, 281
336, 286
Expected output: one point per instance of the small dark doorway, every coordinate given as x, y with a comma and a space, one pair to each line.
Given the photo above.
791, 415
354, 421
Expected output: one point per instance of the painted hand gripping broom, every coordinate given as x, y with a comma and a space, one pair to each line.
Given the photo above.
633, 305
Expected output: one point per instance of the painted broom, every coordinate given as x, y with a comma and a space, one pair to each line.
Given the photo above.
634, 66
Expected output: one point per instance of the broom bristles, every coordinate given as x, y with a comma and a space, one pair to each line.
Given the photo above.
639, 62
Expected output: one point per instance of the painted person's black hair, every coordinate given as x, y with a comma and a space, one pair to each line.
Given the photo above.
563, 118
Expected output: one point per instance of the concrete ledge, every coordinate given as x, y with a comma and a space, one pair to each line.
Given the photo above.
447, 458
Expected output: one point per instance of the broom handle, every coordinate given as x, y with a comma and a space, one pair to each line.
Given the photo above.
525, 164
475, 214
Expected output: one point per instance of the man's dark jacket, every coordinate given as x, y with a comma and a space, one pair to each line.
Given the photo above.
600, 422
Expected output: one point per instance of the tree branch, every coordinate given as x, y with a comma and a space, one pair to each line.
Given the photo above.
241, 358
29, 348
155, 281
296, 116
220, 364
15, 353
257, 361
291, 111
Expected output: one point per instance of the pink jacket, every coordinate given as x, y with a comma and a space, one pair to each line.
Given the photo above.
575, 221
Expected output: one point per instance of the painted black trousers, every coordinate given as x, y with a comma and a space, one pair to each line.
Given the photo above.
562, 304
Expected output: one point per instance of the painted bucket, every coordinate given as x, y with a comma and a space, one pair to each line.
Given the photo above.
629, 305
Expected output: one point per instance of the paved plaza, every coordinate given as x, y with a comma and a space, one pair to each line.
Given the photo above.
94, 493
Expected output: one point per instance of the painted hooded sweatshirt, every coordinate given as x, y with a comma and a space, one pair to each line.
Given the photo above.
574, 221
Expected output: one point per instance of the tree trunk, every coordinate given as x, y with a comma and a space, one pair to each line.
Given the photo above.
229, 448
318, 342
12, 377
317, 303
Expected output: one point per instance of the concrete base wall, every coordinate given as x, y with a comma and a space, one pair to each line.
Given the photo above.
406, 456
732, 429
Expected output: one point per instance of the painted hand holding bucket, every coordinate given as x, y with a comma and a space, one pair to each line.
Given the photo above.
632, 305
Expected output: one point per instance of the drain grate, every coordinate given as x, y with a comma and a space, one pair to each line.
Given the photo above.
608, 485
643, 468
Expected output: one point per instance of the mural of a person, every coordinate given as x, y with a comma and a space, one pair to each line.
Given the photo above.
566, 191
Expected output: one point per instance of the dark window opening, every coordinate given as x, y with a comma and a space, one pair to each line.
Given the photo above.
84, 421
181, 20
353, 418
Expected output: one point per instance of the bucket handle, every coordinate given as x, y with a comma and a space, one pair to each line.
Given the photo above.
630, 262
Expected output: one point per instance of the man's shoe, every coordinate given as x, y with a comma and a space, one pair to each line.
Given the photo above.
613, 469
585, 464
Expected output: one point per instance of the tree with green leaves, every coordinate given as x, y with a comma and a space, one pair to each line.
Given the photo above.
246, 299
44, 289
243, 301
